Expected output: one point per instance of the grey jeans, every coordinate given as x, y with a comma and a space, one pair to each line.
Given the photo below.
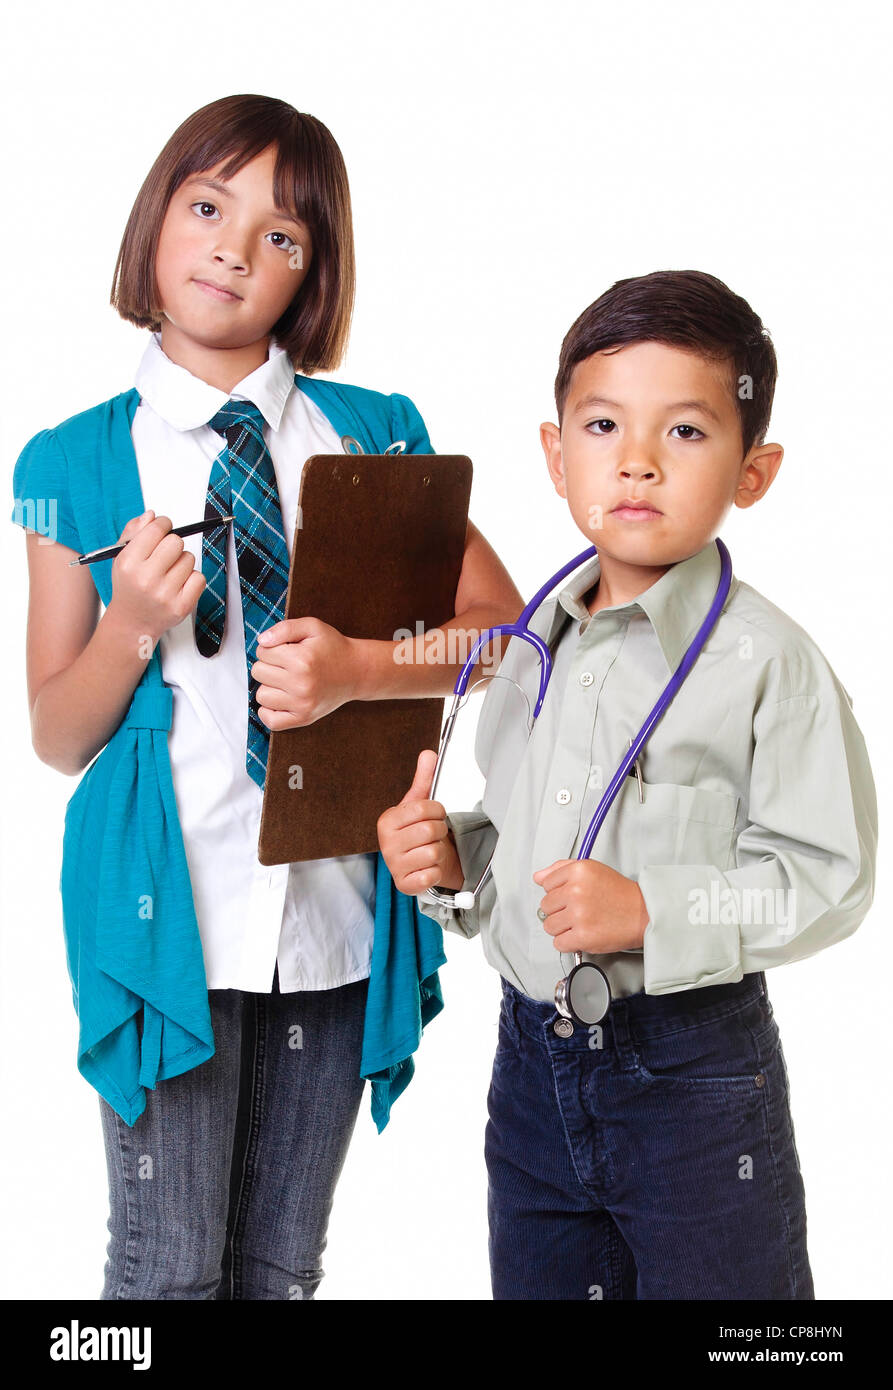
223, 1187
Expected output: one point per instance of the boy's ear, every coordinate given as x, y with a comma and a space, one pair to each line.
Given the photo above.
758, 472
550, 438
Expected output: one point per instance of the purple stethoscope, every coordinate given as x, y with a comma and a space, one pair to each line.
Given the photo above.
584, 995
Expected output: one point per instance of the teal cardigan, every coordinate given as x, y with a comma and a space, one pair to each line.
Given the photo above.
131, 936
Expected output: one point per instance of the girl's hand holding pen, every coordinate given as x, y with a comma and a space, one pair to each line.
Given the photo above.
306, 669
415, 840
155, 584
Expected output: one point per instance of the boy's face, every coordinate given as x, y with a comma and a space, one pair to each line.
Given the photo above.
649, 423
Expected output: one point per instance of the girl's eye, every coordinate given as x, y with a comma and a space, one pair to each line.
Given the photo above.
202, 205
609, 423
693, 428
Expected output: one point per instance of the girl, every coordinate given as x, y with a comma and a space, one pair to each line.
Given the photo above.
221, 1002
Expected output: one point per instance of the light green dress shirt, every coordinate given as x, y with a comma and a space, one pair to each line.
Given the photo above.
753, 836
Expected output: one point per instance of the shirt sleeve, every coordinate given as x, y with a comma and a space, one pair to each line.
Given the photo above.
475, 836
407, 424
41, 496
805, 862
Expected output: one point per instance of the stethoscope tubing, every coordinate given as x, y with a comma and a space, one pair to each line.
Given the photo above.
663, 701
520, 629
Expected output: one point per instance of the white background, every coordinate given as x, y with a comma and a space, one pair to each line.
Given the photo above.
508, 162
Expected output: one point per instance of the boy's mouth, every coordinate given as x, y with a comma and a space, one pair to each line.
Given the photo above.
632, 510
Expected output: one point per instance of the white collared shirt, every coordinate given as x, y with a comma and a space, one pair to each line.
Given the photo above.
316, 918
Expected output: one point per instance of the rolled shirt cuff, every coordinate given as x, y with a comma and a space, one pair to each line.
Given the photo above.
693, 936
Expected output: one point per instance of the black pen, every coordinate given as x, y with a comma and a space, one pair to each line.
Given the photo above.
210, 523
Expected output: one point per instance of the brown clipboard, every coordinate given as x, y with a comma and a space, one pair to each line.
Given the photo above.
378, 551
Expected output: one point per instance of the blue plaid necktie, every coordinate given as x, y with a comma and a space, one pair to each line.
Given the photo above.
243, 484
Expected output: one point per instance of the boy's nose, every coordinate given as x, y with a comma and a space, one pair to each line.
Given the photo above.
636, 467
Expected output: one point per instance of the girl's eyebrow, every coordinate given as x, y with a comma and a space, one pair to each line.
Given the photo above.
222, 188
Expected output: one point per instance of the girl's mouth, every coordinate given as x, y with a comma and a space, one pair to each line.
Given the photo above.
223, 296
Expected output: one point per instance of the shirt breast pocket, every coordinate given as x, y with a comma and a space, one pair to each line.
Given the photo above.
672, 824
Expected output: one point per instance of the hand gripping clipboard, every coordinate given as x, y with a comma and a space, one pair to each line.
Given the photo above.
378, 551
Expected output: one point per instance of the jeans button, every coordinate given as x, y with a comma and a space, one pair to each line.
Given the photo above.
563, 1027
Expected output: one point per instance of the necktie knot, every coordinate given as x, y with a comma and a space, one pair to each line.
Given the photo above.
244, 413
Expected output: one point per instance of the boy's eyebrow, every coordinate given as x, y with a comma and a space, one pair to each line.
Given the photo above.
222, 188
703, 406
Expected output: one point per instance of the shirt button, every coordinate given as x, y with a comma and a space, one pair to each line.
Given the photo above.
587, 678
563, 797
563, 1027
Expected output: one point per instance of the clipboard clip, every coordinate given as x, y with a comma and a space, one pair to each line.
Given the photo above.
398, 446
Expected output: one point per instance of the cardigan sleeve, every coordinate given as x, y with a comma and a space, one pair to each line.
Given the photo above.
407, 424
41, 493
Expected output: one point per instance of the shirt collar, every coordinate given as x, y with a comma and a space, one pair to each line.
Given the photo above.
186, 402
676, 604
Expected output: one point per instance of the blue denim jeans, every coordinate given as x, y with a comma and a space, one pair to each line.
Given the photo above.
649, 1157
223, 1187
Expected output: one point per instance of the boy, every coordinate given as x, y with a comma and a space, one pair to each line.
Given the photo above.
652, 1156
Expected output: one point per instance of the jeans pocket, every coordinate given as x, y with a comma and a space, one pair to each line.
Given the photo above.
507, 1037
729, 1052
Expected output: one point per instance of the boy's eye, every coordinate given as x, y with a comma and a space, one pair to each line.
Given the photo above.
694, 431
609, 423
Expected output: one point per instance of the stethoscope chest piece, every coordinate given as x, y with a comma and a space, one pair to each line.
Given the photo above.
584, 995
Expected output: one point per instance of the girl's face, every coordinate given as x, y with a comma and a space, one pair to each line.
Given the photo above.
228, 235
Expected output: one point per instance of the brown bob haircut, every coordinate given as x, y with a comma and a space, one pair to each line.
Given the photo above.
309, 180
687, 309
